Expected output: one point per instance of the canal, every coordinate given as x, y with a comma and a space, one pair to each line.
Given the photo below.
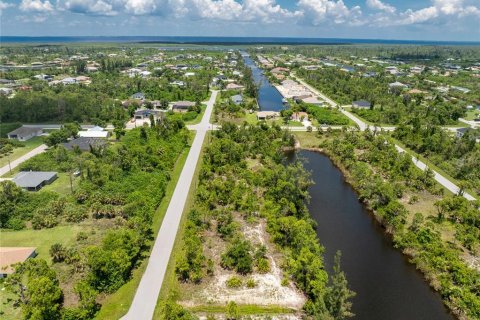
387, 285
269, 99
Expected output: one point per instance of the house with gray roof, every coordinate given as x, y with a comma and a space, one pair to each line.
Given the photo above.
34, 180
182, 106
361, 104
237, 99
24, 133
85, 144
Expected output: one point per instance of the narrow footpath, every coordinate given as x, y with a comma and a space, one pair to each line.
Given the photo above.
146, 296
363, 126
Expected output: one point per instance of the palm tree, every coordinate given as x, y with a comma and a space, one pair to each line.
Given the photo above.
57, 252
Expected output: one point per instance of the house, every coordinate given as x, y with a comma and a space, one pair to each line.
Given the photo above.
34, 180
369, 74
68, 81
182, 106
85, 144
24, 133
141, 114
416, 91
361, 104
264, 115
397, 84
299, 116
145, 74
6, 91
237, 99
312, 100
234, 86
138, 96
460, 132
95, 132
10, 256
461, 89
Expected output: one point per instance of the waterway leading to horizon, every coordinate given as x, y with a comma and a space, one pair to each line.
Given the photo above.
269, 99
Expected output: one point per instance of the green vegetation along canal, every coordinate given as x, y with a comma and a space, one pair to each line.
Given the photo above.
387, 285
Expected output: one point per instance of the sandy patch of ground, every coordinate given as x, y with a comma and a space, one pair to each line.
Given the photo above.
268, 289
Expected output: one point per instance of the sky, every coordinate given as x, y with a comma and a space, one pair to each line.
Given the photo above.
363, 19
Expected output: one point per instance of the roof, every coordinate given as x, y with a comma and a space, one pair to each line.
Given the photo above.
361, 103
312, 100
397, 84
183, 104
23, 131
138, 95
234, 86
12, 255
93, 134
84, 143
265, 114
237, 98
32, 179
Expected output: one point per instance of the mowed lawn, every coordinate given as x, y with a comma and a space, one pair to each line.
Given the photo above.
41, 239
20, 151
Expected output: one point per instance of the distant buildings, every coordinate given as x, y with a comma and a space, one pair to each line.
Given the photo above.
24, 133
363, 104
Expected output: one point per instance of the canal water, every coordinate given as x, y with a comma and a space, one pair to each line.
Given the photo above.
388, 287
269, 99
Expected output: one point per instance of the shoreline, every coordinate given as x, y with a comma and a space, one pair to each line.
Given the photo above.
408, 253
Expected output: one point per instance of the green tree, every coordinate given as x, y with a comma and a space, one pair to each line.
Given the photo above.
338, 295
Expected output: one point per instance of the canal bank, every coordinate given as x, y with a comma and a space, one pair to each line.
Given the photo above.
269, 98
387, 285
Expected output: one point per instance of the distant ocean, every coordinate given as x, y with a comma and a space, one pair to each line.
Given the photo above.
225, 40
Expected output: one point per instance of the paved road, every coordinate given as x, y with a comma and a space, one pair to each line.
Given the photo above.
15, 163
145, 300
363, 126
441, 179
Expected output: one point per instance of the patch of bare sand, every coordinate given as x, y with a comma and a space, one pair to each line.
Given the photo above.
268, 289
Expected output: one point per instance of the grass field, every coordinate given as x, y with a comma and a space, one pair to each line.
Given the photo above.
62, 184
18, 152
472, 114
42, 239
118, 303
307, 139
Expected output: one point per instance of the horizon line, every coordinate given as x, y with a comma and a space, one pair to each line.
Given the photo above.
237, 37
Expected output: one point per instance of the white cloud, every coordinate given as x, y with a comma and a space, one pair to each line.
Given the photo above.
379, 5
440, 10
94, 7
36, 6
140, 7
318, 11
5, 5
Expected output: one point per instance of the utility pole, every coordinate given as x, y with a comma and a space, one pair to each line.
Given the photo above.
9, 166
71, 182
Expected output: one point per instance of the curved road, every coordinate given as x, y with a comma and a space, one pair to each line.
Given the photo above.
145, 300
363, 126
